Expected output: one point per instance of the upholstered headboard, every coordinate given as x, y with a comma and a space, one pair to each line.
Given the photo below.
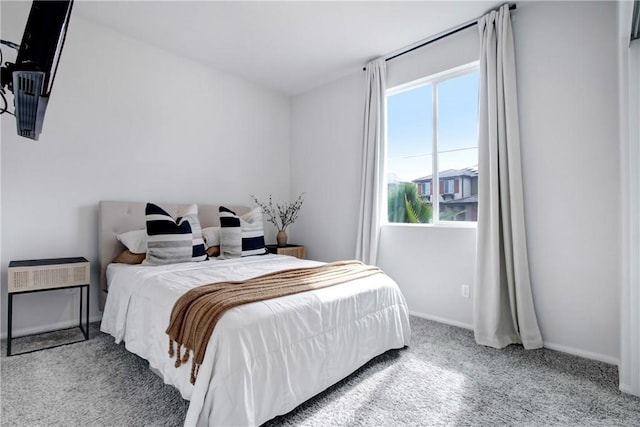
117, 217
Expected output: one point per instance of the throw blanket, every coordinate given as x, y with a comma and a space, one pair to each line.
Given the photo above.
196, 313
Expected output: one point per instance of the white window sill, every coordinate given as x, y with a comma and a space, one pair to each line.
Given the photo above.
442, 224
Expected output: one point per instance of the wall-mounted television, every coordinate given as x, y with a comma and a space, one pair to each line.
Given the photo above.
31, 77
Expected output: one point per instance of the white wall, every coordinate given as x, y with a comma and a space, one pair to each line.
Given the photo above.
567, 72
566, 54
431, 274
326, 125
128, 121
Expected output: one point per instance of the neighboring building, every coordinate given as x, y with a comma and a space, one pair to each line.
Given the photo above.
458, 193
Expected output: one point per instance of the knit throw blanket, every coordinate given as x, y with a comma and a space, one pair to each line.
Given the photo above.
196, 313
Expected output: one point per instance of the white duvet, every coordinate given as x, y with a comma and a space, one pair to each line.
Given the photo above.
264, 358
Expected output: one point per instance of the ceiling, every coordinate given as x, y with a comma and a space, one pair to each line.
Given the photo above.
288, 46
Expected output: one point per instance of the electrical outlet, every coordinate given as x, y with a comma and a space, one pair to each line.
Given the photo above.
464, 291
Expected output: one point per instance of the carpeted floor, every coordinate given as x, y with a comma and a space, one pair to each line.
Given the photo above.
443, 378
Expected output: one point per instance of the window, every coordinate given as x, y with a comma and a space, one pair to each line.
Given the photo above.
432, 136
426, 189
448, 186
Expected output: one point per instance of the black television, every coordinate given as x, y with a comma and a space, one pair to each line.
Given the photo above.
31, 77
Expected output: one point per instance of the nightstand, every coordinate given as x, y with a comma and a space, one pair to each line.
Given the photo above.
292, 250
41, 275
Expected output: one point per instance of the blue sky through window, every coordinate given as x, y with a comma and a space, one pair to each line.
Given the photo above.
409, 128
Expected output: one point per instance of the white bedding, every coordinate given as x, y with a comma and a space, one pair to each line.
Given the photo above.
264, 358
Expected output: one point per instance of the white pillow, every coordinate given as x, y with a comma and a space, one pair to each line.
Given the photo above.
211, 236
135, 241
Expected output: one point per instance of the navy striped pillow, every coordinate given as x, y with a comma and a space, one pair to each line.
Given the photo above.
170, 241
230, 233
241, 235
252, 233
190, 215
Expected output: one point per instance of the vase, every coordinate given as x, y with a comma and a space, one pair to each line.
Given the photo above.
281, 238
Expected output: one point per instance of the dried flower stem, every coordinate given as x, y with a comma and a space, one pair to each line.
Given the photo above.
283, 215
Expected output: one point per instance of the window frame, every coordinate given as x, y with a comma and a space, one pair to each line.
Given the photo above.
432, 80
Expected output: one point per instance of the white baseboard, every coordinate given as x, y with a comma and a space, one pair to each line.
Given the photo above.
557, 347
49, 327
582, 353
625, 388
442, 320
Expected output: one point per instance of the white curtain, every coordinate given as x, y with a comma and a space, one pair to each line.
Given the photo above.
371, 190
503, 311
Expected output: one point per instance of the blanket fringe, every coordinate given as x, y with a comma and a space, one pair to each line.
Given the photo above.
195, 367
183, 359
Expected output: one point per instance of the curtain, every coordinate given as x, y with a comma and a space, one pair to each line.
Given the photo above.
635, 21
371, 189
503, 311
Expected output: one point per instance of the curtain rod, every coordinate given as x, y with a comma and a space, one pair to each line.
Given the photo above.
437, 37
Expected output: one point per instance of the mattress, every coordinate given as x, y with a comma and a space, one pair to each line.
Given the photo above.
264, 358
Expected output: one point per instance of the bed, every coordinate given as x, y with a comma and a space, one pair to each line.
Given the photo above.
263, 358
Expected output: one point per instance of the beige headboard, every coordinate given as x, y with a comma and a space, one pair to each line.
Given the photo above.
117, 217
